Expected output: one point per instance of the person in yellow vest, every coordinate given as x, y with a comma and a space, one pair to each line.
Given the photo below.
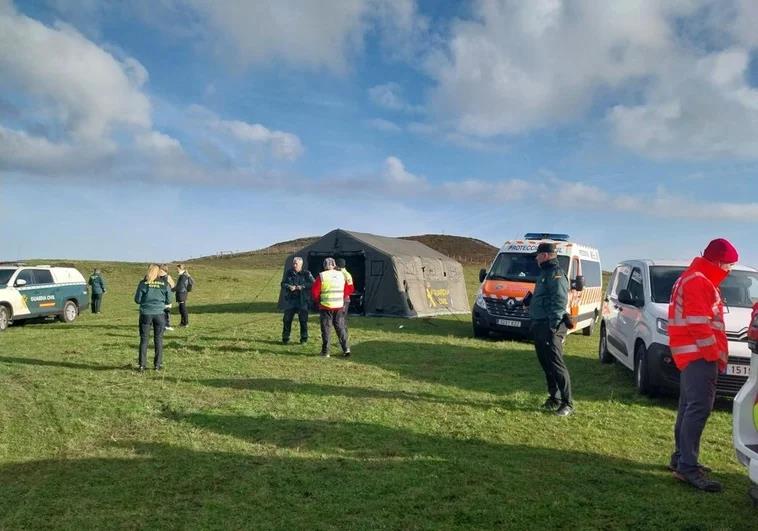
330, 290
341, 266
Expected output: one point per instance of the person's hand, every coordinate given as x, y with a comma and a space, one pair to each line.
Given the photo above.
292, 288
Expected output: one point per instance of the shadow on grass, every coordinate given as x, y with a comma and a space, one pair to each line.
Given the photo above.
275, 385
324, 475
234, 307
456, 326
63, 364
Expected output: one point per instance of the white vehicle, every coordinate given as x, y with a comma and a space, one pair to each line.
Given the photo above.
745, 415
499, 304
28, 292
634, 323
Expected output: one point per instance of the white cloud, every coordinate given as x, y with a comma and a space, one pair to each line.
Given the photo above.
394, 173
283, 145
381, 124
389, 96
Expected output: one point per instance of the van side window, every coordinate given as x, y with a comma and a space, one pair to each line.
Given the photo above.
26, 274
621, 279
635, 285
43, 276
592, 274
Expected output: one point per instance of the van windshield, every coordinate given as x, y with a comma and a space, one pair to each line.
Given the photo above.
5, 276
739, 289
520, 267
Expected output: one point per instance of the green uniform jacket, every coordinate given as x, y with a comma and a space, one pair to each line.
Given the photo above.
299, 298
152, 297
550, 294
97, 284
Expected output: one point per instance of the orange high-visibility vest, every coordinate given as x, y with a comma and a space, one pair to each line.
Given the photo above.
696, 317
332, 289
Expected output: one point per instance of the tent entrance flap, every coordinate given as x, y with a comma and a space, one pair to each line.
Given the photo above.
355, 263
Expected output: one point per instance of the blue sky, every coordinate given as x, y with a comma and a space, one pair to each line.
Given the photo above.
168, 129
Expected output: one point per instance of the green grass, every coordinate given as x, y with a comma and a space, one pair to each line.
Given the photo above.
423, 428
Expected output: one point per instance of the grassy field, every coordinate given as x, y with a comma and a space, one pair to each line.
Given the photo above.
423, 428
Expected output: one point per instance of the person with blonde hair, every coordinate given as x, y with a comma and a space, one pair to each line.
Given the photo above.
153, 296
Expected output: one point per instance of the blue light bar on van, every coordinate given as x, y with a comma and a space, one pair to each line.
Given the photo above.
546, 236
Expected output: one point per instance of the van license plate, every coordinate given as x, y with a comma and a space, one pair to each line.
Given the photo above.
509, 322
738, 370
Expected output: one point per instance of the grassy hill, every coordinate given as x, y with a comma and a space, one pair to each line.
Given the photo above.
423, 428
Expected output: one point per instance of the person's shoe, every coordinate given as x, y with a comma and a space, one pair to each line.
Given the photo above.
183, 326
346, 353
285, 341
170, 328
303, 341
565, 410
159, 367
141, 368
551, 404
324, 354
699, 480
704, 468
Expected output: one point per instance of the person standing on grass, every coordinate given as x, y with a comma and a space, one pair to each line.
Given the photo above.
699, 346
184, 284
341, 266
296, 285
97, 289
153, 296
330, 290
547, 307
165, 277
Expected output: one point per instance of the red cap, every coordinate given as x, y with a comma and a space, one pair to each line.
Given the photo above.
720, 250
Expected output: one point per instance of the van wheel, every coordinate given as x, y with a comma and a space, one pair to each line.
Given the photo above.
70, 311
4, 318
587, 330
642, 372
480, 332
602, 349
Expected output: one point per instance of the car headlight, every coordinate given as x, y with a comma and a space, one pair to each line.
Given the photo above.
662, 326
480, 301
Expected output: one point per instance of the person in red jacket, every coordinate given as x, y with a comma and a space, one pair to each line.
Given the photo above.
329, 291
697, 337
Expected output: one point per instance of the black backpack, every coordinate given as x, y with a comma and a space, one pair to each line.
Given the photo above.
190, 283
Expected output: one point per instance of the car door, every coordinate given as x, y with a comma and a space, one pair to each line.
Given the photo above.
612, 314
630, 315
25, 283
48, 294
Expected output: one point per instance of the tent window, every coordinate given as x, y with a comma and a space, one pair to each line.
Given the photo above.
377, 268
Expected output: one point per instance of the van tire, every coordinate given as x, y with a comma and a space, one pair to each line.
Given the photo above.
641, 371
69, 313
603, 353
587, 330
5, 317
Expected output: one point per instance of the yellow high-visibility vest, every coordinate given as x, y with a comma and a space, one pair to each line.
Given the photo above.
348, 276
332, 289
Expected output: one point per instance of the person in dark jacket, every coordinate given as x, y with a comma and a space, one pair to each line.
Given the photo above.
153, 296
296, 285
547, 308
342, 266
184, 284
165, 277
97, 290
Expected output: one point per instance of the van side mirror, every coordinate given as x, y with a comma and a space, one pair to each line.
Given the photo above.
20, 282
578, 283
625, 297
482, 274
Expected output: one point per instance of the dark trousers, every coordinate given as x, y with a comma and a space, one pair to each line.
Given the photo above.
183, 313
336, 319
549, 346
158, 324
697, 392
167, 316
97, 299
289, 315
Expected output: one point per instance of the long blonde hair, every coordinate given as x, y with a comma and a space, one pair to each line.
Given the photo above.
152, 272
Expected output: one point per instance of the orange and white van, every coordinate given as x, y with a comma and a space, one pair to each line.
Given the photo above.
499, 305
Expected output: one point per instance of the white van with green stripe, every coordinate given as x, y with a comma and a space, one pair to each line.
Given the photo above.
28, 292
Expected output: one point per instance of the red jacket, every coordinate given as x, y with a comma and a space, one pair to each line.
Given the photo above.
316, 293
696, 316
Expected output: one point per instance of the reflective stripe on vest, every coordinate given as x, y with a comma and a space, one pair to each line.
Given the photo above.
332, 289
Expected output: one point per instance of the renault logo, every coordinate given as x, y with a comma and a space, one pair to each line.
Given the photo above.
510, 304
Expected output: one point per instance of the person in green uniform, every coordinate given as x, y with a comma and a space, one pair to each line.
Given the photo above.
296, 287
153, 296
547, 308
97, 290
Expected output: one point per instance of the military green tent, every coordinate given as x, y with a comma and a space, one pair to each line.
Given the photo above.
392, 276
